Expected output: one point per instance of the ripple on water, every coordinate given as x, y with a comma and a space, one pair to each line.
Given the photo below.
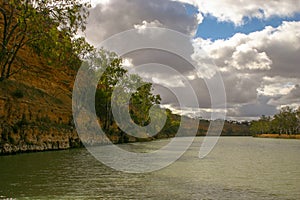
238, 168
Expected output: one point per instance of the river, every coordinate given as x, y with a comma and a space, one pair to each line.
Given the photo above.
237, 168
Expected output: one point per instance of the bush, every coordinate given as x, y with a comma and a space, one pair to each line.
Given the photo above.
18, 94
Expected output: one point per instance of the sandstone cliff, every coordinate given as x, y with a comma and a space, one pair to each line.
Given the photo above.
35, 108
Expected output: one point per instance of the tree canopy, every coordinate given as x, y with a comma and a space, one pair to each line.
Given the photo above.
48, 27
287, 121
115, 76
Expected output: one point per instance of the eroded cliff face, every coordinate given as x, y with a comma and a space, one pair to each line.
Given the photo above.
36, 108
33, 119
30, 138
36, 112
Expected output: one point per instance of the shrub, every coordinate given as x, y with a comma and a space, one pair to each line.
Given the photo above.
18, 93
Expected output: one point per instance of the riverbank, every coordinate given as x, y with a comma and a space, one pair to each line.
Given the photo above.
279, 136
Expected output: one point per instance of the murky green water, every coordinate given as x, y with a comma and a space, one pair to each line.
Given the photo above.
238, 168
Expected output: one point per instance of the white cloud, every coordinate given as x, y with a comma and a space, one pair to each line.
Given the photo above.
277, 86
236, 11
200, 18
171, 82
271, 48
127, 62
276, 89
260, 64
196, 112
114, 16
96, 2
142, 27
250, 58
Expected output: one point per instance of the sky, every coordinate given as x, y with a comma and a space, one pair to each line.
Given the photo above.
254, 44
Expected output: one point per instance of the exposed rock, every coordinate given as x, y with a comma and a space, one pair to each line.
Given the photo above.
32, 138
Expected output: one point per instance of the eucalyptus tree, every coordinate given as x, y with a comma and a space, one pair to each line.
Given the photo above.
298, 120
287, 121
263, 125
47, 26
113, 77
109, 70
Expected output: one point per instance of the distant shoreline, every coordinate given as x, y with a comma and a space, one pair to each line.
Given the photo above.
281, 136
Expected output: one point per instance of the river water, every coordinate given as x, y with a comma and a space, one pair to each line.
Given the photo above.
237, 168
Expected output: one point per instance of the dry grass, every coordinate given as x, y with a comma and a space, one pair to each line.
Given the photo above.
282, 136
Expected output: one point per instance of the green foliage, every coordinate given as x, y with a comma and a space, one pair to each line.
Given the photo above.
261, 126
45, 119
109, 70
115, 76
172, 124
48, 26
287, 121
141, 102
18, 94
20, 123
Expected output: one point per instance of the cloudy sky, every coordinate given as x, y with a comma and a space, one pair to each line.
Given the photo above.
254, 44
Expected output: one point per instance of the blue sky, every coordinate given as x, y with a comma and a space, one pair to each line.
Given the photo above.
211, 28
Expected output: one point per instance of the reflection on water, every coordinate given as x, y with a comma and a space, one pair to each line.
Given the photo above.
238, 168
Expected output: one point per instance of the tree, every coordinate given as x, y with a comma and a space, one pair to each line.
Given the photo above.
261, 126
287, 121
276, 125
172, 124
112, 77
47, 26
141, 102
109, 68
298, 120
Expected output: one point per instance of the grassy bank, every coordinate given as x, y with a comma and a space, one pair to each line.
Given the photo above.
280, 136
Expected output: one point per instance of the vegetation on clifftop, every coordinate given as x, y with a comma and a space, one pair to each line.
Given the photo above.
48, 27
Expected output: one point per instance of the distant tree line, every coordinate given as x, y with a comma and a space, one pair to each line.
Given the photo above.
287, 121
